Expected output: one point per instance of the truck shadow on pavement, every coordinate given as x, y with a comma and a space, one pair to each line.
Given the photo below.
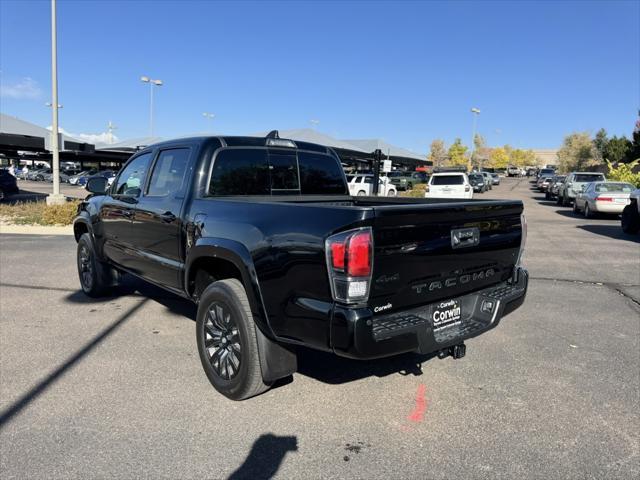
332, 369
265, 457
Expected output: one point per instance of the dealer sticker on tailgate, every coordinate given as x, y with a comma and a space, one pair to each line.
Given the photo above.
445, 315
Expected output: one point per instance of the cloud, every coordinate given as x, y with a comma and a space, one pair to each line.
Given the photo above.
25, 89
89, 137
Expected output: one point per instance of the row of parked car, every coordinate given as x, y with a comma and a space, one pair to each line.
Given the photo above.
73, 177
591, 194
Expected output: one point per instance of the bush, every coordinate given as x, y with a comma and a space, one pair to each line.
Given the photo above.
39, 213
417, 191
624, 173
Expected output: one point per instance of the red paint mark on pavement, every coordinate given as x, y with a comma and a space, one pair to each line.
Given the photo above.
421, 405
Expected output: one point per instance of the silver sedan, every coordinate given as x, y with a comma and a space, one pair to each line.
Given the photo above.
603, 197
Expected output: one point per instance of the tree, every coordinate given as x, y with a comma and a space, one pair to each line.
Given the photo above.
577, 153
438, 152
518, 158
634, 152
530, 158
616, 149
499, 158
457, 154
600, 143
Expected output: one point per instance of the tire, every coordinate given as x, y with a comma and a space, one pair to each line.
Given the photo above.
547, 196
96, 277
559, 199
225, 324
587, 211
630, 221
391, 193
362, 193
576, 210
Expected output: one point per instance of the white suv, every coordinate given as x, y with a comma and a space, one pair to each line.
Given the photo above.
362, 185
449, 185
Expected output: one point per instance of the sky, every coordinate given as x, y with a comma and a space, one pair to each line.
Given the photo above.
406, 72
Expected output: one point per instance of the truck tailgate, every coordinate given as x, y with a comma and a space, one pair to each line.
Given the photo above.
425, 253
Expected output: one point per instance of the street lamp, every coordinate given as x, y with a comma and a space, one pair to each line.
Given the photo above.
475, 111
55, 197
209, 117
151, 83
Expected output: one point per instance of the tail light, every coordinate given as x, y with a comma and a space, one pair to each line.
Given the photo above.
350, 263
523, 240
604, 199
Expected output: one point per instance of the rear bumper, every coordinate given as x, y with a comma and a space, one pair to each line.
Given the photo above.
609, 207
358, 333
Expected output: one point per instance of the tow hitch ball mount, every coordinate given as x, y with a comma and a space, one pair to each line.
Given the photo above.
457, 351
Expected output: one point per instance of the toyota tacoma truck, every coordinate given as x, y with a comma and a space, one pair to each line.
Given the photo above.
262, 235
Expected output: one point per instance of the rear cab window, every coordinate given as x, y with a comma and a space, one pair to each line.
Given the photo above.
260, 171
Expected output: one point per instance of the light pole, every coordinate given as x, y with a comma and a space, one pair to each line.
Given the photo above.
151, 83
209, 117
475, 111
55, 197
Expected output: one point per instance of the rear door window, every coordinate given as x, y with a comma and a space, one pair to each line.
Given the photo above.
585, 178
240, 172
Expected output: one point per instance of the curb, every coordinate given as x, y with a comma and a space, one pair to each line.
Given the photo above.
36, 230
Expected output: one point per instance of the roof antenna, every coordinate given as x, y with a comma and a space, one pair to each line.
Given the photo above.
273, 134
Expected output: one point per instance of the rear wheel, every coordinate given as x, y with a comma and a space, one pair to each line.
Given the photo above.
227, 341
630, 221
587, 211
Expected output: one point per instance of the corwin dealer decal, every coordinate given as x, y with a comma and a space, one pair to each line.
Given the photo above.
382, 308
446, 314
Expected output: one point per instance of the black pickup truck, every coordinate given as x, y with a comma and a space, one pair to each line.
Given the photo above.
262, 234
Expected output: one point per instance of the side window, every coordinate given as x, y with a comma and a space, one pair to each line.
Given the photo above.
240, 172
132, 177
321, 175
168, 173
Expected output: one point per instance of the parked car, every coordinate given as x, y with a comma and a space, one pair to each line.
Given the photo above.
449, 185
407, 180
554, 185
74, 179
477, 182
488, 180
603, 197
8, 184
495, 178
264, 238
34, 173
513, 171
82, 181
362, 185
572, 185
545, 172
64, 177
543, 183
630, 220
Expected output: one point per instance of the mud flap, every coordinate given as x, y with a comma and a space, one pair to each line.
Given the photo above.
276, 361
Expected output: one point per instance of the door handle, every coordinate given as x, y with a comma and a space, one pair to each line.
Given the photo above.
168, 217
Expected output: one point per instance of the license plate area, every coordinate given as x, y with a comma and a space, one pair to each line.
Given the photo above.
446, 319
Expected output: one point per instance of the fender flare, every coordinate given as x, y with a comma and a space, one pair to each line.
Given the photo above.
238, 255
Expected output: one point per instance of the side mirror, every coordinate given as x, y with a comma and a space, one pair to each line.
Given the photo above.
97, 185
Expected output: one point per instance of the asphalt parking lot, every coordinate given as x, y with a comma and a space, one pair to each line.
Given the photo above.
114, 388
30, 190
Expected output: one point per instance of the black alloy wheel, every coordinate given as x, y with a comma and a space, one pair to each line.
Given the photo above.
222, 341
